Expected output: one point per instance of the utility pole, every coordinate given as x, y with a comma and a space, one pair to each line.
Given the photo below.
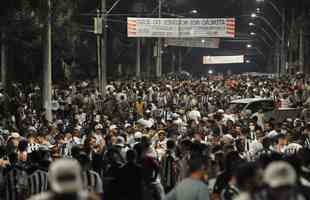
138, 59
173, 62
283, 43
278, 59
47, 85
3, 59
98, 32
301, 50
180, 59
104, 48
159, 46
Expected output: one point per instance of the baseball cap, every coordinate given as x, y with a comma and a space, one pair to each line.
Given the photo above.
127, 125
65, 176
279, 174
98, 126
138, 135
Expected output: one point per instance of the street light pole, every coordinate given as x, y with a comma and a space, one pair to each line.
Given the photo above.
103, 48
3, 59
98, 32
268, 23
281, 13
283, 53
159, 46
180, 59
47, 85
138, 59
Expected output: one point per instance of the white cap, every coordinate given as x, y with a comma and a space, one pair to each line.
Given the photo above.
221, 111
279, 174
112, 127
272, 134
65, 176
138, 135
127, 125
98, 126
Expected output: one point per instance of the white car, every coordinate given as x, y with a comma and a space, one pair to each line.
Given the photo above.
252, 104
268, 106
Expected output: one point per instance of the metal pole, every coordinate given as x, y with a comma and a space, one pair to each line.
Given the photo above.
301, 51
278, 58
173, 64
3, 59
98, 53
159, 46
47, 90
283, 54
104, 48
275, 8
271, 26
138, 58
180, 59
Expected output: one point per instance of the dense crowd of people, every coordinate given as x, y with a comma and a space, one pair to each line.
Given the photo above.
156, 140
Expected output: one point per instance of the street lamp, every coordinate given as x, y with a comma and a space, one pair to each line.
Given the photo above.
194, 11
253, 15
250, 46
251, 24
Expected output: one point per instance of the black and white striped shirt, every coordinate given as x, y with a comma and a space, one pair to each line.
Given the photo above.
15, 180
33, 147
92, 181
37, 182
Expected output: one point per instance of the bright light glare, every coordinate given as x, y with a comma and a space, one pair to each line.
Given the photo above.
252, 33
251, 24
253, 15
249, 46
210, 72
194, 11
247, 61
203, 41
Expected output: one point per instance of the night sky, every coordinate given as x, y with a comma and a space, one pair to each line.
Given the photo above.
224, 8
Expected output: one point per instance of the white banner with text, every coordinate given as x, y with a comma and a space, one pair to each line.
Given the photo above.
181, 27
207, 60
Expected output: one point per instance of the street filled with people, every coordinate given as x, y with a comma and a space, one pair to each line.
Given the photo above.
216, 138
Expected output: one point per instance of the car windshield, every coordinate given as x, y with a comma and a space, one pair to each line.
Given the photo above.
236, 107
